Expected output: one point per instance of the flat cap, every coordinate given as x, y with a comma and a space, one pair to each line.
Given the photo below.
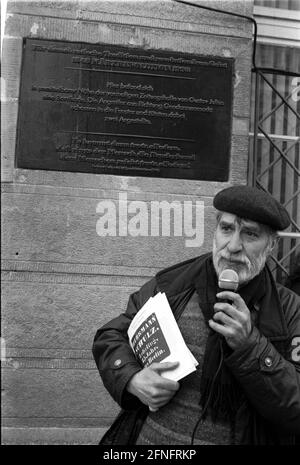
254, 204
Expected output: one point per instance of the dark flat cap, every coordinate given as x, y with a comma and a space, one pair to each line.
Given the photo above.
254, 204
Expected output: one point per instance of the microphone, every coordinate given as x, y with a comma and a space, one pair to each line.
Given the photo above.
229, 280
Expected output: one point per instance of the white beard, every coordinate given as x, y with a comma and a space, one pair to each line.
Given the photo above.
245, 267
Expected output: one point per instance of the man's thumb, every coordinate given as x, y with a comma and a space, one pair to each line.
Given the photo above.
164, 366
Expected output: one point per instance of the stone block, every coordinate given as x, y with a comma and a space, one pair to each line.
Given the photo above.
63, 229
42, 393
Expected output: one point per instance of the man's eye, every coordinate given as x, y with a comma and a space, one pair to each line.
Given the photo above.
226, 228
251, 234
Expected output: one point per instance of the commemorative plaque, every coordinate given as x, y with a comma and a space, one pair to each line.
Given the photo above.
108, 109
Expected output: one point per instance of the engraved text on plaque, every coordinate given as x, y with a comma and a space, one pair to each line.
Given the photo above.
125, 111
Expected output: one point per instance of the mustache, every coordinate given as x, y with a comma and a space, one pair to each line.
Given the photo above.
238, 259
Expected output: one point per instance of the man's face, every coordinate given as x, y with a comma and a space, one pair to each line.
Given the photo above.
240, 244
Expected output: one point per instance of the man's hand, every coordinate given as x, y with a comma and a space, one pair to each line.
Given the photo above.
233, 321
151, 388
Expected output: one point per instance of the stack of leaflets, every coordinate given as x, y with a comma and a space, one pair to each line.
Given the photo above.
154, 336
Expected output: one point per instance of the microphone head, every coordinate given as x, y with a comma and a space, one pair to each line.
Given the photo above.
229, 280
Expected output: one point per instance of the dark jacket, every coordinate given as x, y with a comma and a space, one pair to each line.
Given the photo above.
267, 367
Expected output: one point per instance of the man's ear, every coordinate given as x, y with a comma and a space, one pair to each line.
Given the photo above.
274, 242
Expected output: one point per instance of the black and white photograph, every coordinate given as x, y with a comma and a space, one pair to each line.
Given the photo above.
150, 186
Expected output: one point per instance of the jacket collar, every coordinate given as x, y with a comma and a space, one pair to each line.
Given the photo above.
178, 282
271, 319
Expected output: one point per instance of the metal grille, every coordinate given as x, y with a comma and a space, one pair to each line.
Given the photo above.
285, 4
275, 162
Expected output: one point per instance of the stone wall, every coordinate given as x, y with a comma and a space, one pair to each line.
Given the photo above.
61, 281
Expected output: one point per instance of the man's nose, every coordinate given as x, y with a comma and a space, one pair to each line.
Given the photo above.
235, 244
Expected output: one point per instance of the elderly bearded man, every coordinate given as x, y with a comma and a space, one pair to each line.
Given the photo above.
246, 389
